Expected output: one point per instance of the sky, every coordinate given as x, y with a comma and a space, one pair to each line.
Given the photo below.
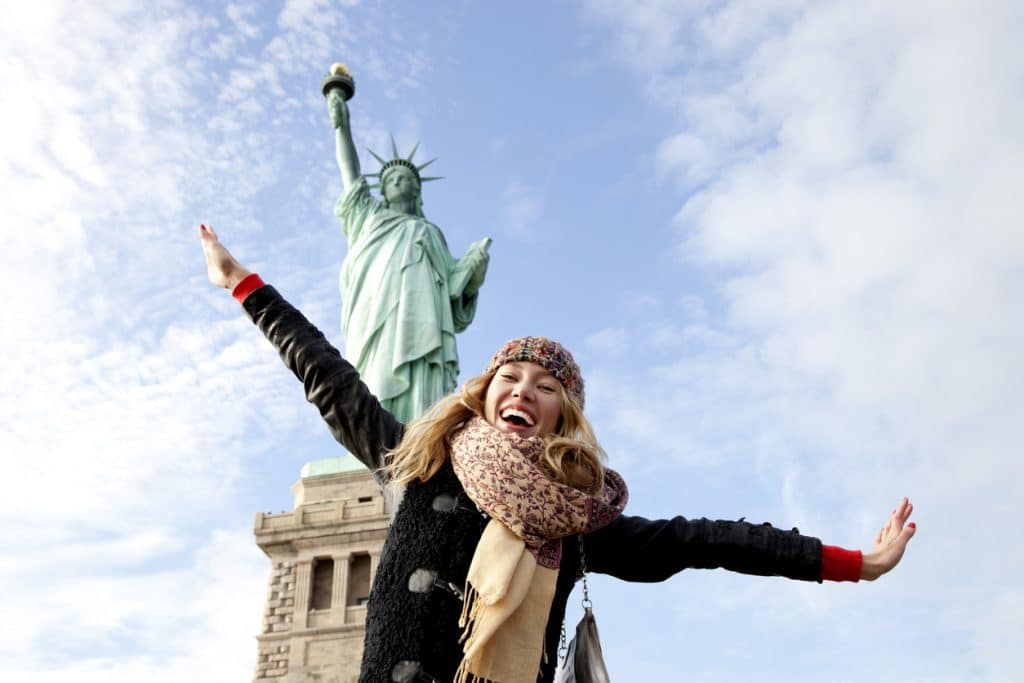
783, 239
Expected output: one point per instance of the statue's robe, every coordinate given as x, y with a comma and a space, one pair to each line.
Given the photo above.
403, 300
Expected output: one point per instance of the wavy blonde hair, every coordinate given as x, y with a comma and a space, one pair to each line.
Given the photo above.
572, 454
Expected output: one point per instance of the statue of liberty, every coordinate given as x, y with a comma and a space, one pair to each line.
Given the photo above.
403, 294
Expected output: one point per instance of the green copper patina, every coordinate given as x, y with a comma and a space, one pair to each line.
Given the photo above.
345, 463
403, 294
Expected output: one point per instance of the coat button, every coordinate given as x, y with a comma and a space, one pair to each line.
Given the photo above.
406, 671
445, 502
422, 581
426, 580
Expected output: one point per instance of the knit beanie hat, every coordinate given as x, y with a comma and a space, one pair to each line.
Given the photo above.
546, 353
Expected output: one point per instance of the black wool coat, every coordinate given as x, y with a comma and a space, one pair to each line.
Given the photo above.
412, 631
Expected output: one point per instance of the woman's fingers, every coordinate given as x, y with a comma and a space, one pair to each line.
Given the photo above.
908, 510
899, 543
207, 235
221, 267
894, 528
897, 533
903, 512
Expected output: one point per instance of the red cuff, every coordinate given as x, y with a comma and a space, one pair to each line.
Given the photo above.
840, 564
249, 284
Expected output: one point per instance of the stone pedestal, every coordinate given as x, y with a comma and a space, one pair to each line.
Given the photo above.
322, 556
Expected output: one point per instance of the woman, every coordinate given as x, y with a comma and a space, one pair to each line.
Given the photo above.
492, 479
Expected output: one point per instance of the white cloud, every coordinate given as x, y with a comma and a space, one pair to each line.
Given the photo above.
156, 625
688, 156
855, 204
521, 209
135, 395
610, 341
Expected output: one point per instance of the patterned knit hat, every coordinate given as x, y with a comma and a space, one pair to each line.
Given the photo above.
546, 353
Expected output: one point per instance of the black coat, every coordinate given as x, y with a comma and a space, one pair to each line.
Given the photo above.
412, 629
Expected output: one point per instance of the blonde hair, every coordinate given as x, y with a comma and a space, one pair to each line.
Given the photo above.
571, 456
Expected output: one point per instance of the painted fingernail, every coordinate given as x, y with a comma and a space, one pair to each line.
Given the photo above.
912, 525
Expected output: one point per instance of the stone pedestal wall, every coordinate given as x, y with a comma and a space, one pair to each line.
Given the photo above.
280, 598
336, 516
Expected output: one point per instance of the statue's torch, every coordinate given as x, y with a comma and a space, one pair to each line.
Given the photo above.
339, 77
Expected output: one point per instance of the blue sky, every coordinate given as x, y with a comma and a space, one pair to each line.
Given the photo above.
783, 240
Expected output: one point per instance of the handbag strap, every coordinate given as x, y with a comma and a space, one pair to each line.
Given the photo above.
586, 602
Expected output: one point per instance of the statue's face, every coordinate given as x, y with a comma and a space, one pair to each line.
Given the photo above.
399, 185
523, 398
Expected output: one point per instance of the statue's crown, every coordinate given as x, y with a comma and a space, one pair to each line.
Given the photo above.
399, 160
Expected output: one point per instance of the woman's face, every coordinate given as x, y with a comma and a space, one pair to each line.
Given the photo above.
523, 398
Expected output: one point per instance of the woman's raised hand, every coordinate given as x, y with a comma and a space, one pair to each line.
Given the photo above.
221, 267
890, 543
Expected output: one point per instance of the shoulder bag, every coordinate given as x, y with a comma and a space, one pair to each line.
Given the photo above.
583, 660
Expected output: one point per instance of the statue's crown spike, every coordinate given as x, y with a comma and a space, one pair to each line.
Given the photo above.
398, 160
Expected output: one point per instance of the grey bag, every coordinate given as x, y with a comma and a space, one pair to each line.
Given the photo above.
583, 661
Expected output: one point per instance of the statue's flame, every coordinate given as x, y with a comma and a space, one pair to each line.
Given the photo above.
340, 69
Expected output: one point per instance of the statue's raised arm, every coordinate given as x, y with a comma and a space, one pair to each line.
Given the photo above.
404, 296
337, 104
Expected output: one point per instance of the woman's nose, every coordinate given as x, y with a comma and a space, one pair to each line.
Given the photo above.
522, 390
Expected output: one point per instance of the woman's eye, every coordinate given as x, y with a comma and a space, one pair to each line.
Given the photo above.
546, 388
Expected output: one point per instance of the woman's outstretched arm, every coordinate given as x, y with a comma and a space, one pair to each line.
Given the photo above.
354, 416
638, 549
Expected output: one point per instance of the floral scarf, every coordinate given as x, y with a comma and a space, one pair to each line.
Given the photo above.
511, 581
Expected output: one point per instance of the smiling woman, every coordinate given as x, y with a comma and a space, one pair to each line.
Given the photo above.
524, 398
494, 478
532, 389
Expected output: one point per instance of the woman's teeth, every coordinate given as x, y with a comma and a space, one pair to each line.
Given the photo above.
517, 417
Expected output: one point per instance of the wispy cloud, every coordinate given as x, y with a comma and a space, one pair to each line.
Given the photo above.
157, 624
521, 209
850, 178
135, 396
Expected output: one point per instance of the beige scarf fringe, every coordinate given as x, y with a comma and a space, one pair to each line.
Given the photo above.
507, 595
